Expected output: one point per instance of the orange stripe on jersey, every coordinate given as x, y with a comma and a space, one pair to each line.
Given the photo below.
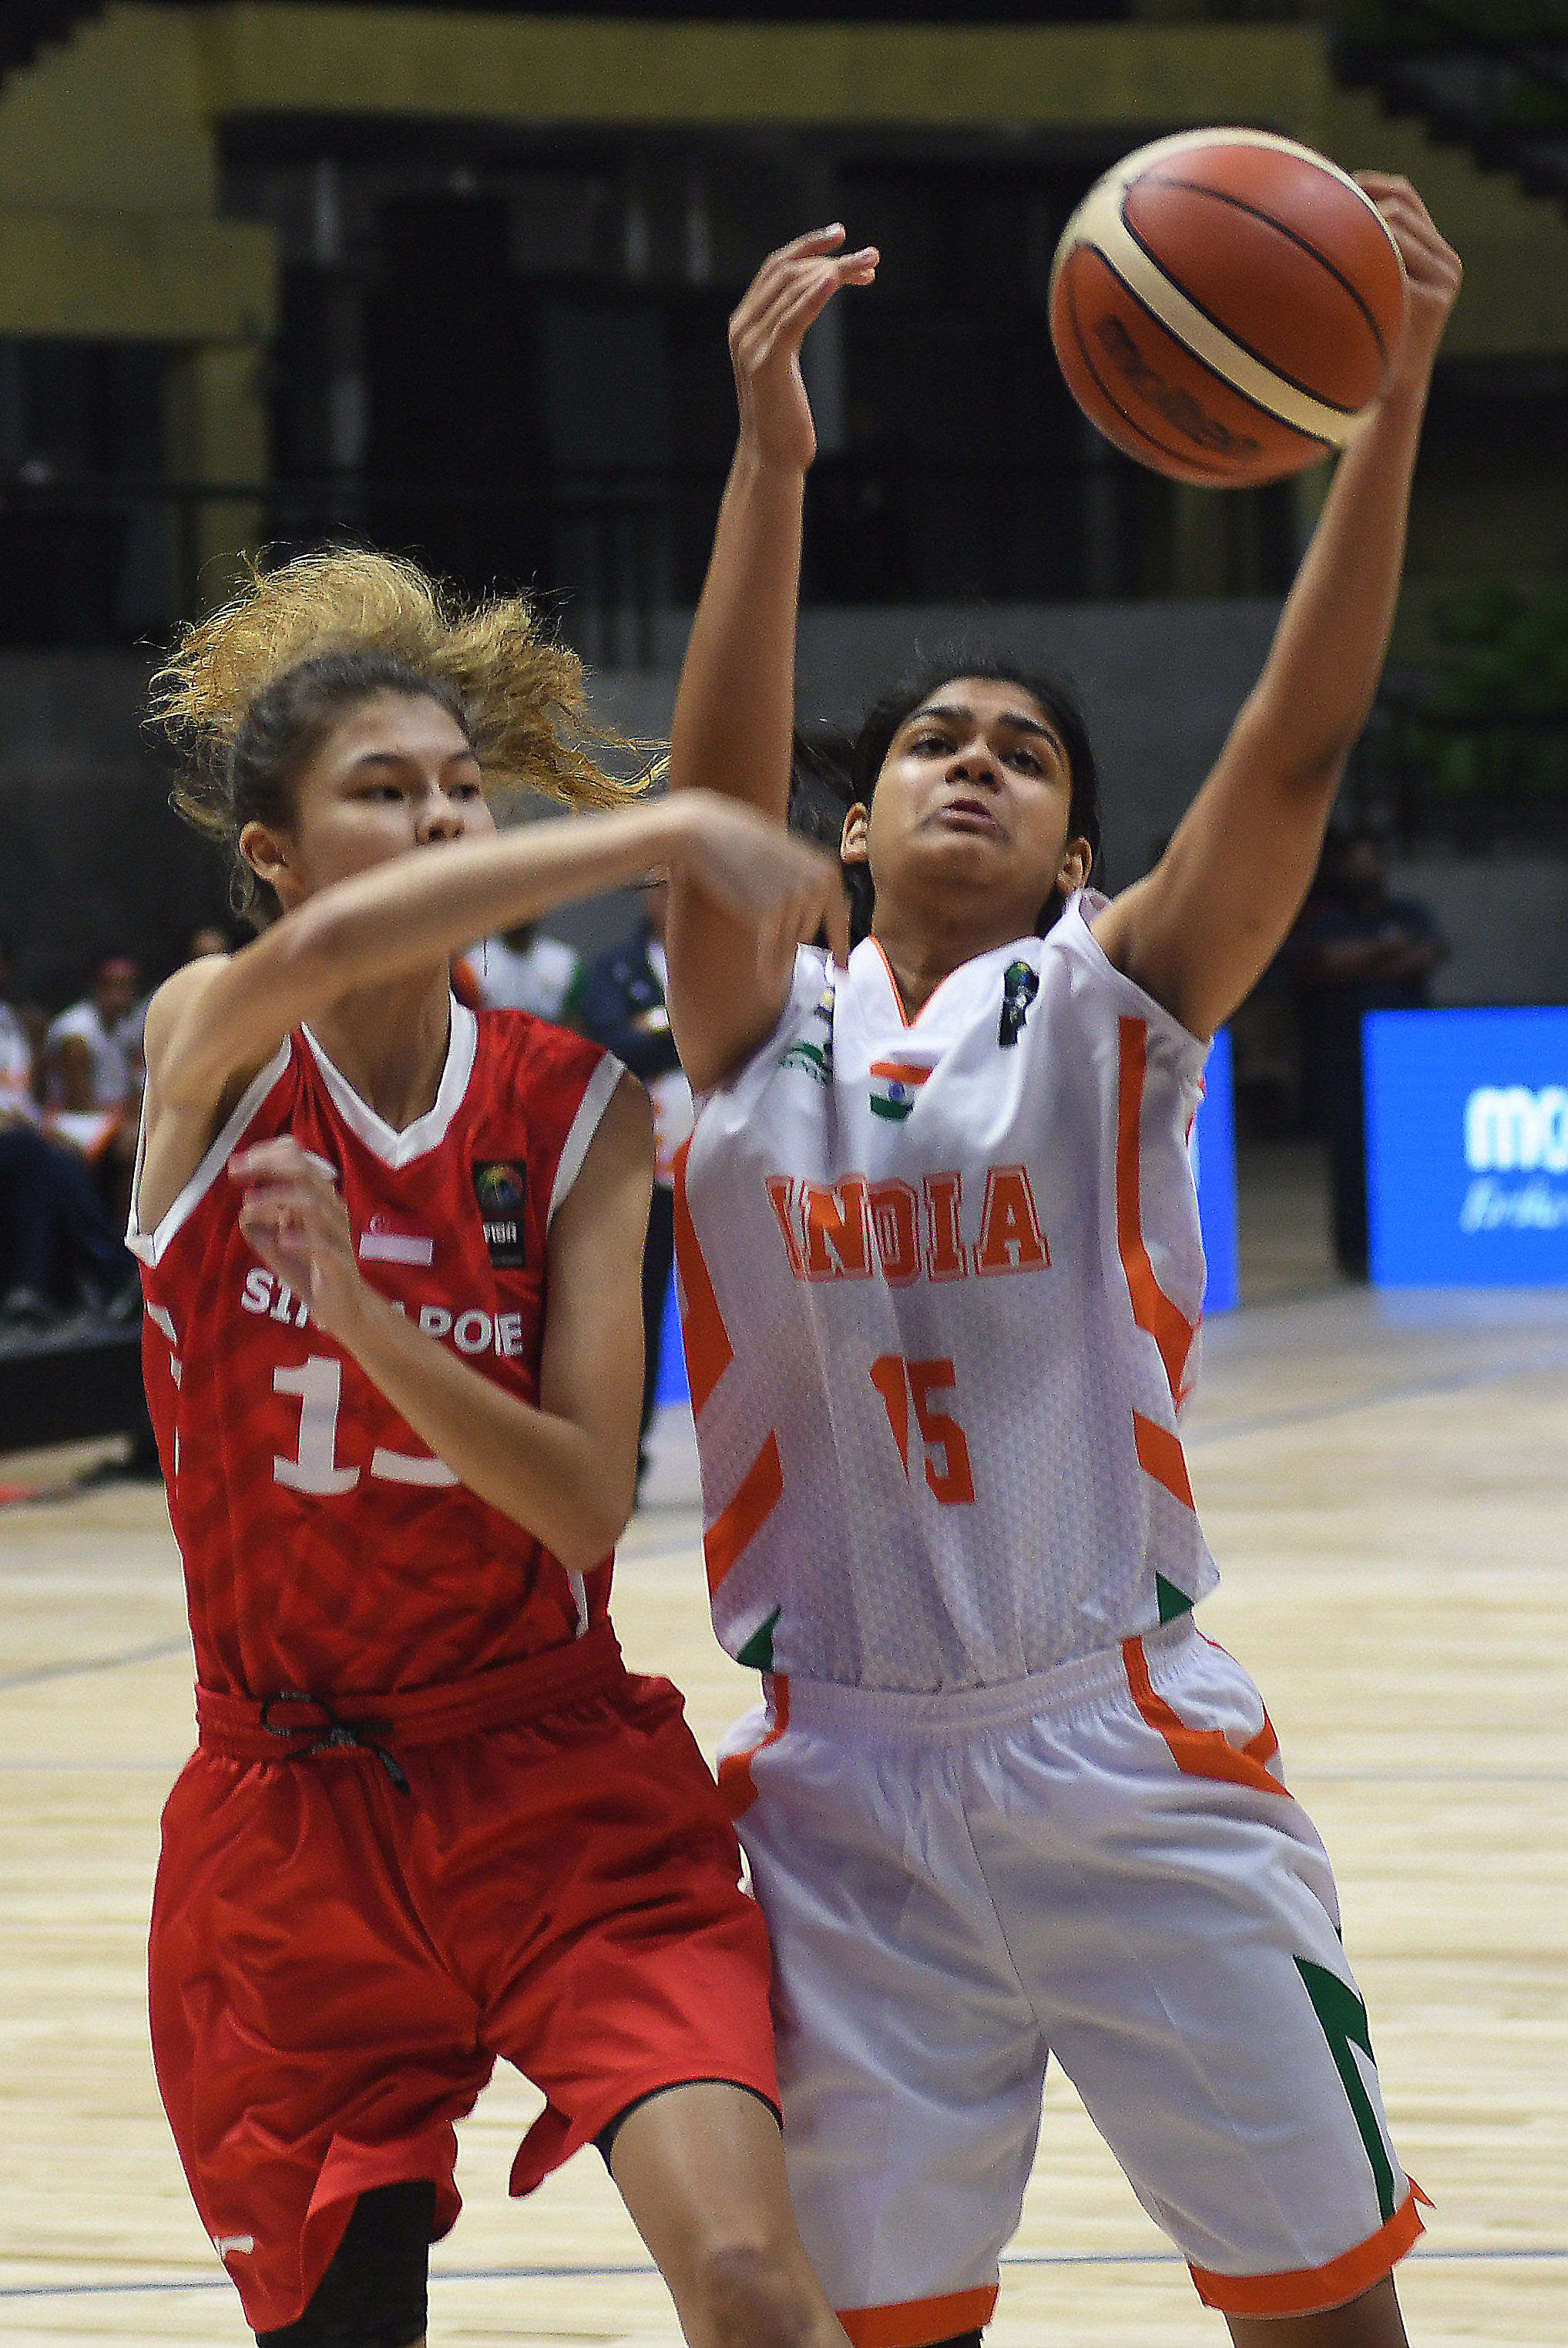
1201, 1752
709, 1351
899, 1071
1307, 2290
909, 2323
893, 982
1263, 1746
761, 1489
1159, 1455
737, 1785
1151, 1308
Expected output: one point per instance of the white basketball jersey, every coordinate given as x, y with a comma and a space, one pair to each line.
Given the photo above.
941, 1282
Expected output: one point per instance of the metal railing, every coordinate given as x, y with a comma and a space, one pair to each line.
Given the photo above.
106, 560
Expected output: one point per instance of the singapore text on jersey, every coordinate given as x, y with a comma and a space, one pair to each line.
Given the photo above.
471, 1329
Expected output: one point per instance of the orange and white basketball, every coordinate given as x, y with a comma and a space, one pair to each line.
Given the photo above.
1225, 304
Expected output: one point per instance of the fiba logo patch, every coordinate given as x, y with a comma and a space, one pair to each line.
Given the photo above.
501, 1188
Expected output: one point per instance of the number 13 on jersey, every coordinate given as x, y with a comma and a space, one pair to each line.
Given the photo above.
911, 1385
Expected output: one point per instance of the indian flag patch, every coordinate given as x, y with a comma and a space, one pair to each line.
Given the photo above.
895, 1087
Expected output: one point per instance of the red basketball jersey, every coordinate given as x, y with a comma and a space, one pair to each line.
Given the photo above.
324, 1548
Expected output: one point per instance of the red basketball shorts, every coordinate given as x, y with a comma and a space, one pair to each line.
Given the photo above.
336, 1965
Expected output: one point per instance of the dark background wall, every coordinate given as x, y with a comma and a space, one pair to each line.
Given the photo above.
94, 859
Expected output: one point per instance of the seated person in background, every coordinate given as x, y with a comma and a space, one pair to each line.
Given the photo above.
91, 1054
17, 1098
526, 969
207, 938
54, 1230
92, 1065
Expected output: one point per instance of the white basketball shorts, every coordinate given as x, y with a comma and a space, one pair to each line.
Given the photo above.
1099, 1863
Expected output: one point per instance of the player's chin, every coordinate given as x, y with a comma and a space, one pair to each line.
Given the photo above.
965, 854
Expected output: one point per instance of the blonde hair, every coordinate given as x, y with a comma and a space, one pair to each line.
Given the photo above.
247, 695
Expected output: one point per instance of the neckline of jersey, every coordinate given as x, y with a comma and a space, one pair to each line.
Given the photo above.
384, 1141
931, 1000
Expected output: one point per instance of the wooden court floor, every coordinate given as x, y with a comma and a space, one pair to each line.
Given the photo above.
1386, 1489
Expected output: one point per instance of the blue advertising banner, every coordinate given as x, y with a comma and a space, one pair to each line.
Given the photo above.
1213, 1152
1467, 1148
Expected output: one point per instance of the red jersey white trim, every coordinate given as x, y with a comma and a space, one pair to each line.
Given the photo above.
393, 1147
325, 1547
584, 1125
151, 1246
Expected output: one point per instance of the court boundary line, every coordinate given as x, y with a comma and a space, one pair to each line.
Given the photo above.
151, 1650
1196, 1433
1480, 2255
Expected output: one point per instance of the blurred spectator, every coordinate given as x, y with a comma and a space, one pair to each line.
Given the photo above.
1356, 949
56, 1239
90, 1046
525, 970
17, 1097
208, 938
621, 1006
92, 1065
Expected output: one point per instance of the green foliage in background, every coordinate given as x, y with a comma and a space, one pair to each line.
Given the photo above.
1508, 661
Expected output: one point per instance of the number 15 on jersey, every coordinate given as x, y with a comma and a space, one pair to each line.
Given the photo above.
909, 1387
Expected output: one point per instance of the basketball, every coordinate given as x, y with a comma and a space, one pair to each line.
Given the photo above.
1224, 306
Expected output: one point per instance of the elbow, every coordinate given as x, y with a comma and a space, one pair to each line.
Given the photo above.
595, 1522
591, 1538
304, 957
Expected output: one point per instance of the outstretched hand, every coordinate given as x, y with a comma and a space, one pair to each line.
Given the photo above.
790, 290
1432, 271
783, 888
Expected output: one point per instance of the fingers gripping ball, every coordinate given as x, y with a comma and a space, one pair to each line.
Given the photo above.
1224, 306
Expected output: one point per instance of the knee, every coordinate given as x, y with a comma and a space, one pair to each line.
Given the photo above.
751, 2296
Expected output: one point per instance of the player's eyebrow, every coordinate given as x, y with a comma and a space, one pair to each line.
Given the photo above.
1016, 720
407, 758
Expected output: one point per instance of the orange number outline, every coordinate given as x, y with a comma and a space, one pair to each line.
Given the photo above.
950, 1475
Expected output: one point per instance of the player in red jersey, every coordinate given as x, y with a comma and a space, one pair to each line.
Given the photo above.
391, 1255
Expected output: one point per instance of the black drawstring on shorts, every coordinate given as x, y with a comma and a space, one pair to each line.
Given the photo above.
360, 1734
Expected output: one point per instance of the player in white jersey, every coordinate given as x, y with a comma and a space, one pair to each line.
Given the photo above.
942, 1276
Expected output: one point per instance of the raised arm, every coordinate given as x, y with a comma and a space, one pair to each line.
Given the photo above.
735, 711
1198, 930
215, 1022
